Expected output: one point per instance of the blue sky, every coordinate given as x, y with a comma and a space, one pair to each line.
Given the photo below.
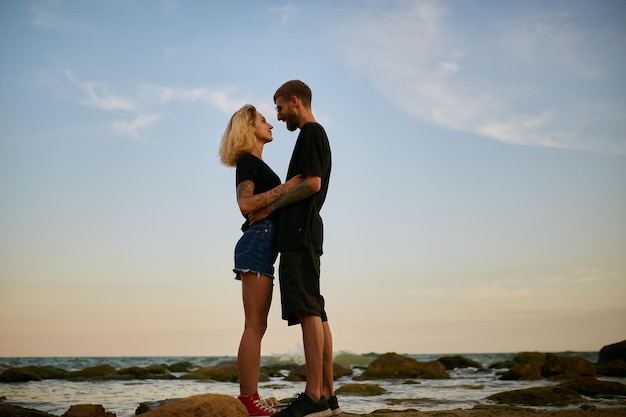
477, 202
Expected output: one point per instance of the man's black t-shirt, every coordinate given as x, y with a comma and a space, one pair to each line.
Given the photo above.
249, 167
300, 224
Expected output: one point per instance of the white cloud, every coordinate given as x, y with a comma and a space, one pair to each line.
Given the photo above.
97, 95
222, 99
133, 128
519, 79
46, 20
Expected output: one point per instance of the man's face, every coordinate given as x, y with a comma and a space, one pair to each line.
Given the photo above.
286, 112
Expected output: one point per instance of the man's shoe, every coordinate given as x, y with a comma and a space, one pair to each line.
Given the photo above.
304, 406
256, 406
334, 405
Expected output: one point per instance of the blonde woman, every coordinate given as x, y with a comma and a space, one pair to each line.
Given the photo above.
258, 186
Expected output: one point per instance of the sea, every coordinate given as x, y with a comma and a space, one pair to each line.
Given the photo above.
465, 389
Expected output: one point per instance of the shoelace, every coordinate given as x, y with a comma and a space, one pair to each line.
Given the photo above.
263, 404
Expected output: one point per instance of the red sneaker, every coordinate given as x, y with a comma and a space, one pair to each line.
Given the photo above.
256, 406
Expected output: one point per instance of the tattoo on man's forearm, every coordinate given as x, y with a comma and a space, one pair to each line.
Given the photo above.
245, 189
299, 192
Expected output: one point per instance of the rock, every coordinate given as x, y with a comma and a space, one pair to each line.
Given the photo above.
87, 410
149, 372
455, 362
527, 367
392, 365
539, 397
592, 387
299, 374
612, 352
94, 372
184, 366
351, 359
15, 411
32, 373
612, 360
203, 405
18, 375
364, 390
569, 366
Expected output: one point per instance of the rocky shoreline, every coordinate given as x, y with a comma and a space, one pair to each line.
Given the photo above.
576, 380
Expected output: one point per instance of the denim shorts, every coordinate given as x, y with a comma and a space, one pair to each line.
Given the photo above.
255, 251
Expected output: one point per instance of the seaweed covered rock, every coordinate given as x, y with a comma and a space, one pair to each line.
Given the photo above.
18, 375
299, 373
148, 372
394, 366
32, 373
226, 371
97, 372
363, 390
456, 362
539, 397
184, 366
592, 387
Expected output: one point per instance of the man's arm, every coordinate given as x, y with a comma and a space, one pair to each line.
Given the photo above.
309, 186
249, 202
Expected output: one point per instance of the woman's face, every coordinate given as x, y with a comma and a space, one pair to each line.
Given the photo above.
262, 129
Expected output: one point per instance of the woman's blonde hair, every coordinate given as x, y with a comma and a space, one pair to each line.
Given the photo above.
239, 136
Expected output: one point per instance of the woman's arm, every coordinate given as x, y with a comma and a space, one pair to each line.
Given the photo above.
249, 202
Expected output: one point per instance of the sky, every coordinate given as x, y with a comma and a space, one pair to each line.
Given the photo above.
477, 202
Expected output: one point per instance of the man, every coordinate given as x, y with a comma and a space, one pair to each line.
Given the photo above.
299, 240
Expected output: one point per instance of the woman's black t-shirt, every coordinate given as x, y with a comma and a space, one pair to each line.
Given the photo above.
249, 167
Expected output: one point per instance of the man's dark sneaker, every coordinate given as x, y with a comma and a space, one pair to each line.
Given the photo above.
304, 406
334, 405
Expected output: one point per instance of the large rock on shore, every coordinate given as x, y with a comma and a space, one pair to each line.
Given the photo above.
592, 387
612, 360
203, 405
526, 367
394, 366
539, 397
567, 366
87, 410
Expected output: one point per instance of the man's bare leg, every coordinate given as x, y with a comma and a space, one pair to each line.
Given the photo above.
313, 340
327, 367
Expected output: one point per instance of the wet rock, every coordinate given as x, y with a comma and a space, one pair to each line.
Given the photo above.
568, 366
394, 366
32, 373
15, 411
87, 410
148, 372
612, 360
457, 362
94, 372
18, 375
184, 366
226, 371
527, 366
612, 352
363, 390
299, 373
539, 397
592, 387
203, 405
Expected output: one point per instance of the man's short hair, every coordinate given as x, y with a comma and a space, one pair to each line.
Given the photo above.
295, 88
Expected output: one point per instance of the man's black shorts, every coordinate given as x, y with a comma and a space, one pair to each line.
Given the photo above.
299, 276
